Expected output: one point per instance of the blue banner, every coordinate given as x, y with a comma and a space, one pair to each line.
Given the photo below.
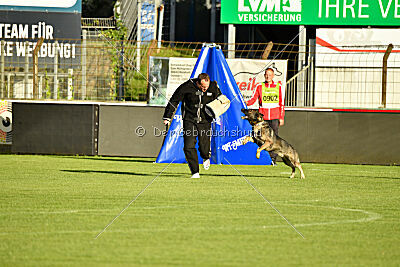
148, 21
229, 129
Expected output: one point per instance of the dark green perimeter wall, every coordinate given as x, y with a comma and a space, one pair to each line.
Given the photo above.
131, 131
125, 130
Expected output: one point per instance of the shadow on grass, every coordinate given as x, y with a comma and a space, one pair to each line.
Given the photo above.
176, 174
369, 177
151, 160
187, 174
143, 160
109, 172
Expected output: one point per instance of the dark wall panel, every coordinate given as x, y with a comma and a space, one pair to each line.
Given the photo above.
121, 129
54, 128
323, 141
344, 137
295, 131
5, 149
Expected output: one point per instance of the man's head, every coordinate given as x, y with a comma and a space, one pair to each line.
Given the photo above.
203, 81
269, 75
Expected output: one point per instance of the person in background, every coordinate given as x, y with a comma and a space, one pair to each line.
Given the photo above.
271, 100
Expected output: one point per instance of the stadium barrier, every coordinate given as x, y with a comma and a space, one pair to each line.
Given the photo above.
55, 128
126, 130
319, 135
351, 136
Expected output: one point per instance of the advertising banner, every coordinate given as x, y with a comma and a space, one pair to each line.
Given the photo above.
59, 24
311, 12
249, 74
5, 122
346, 47
348, 68
179, 72
148, 21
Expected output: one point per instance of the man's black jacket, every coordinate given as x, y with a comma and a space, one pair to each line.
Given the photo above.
193, 101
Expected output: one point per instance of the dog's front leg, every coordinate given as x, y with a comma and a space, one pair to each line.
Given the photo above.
261, 148
247, 139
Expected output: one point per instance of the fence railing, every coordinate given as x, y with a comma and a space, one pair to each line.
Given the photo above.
97, 68
98, 23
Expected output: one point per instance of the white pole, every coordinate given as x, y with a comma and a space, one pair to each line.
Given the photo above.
70, 84
26, 71
55, 88
301, 63
83, 89
231, 40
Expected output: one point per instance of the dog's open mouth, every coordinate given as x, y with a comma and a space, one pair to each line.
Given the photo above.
244, 117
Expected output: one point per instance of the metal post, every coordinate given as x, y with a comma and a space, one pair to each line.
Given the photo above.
83, 86
70, 84
160, 25
231, 40
251, 37
384, 74
121, 92
36, 66
139, 34
8, 85
2, 93
311, 73
301, 63
40, 86
172, 22
190, 28
55, 88
267, 50
212, 22
26, 71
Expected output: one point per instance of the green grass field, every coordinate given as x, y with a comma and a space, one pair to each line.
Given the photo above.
53, 207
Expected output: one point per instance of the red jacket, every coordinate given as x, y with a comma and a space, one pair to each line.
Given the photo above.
275, 108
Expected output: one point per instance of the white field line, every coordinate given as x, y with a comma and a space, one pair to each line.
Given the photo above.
183, 205
371, 216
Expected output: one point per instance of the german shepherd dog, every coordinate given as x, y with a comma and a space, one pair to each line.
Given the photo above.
266, 139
